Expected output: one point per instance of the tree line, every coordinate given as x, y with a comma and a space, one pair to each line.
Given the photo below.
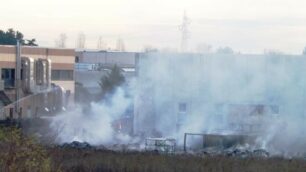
10, 37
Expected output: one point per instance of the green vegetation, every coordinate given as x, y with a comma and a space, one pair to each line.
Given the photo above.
21, 153
10, 37
111, 80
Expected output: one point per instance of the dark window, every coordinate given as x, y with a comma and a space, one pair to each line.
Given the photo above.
21, 74
77, 59
8, 76
11, 113
62, 75
20, 113
182, 107
275, 109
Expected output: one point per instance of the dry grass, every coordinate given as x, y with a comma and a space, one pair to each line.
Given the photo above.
21, 153
109, 161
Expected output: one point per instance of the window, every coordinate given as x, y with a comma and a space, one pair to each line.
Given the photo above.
8, 76
11, 113
77, 59
275, 109
62, 75
182, 113
182, 107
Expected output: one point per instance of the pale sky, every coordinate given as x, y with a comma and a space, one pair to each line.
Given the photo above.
248, 26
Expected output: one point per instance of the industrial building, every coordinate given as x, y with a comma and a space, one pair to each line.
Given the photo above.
216, 93
92, 64
35, 80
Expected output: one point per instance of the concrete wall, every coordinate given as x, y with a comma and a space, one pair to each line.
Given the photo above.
122, 59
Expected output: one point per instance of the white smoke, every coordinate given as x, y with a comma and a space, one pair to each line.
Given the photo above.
94, 124
217, 89
180, 93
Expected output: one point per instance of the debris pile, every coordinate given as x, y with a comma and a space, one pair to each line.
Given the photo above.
160, 145
164, 145
240, 152
77, 145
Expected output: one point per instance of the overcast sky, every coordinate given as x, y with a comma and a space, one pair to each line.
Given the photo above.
248, 26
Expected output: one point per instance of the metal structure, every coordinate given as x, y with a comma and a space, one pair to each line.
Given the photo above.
33, 93
185, 32
27, 73
161, 145
219, 140
18, 75
34, 105
193, 134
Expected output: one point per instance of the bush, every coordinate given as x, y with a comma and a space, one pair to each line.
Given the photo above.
21, 153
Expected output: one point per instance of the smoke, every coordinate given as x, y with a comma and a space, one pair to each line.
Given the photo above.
262, 95
256, 95
93, 124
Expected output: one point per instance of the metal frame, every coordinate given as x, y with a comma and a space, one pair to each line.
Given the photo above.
162, 145
192, 134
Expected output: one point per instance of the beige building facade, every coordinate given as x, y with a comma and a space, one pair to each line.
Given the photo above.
62, 62
61, 73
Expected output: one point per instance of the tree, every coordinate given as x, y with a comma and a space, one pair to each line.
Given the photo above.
304, 51
120, 45
203, 48
149, 48
61, 41
225, 50
101, 45
31, 42
11, 36
81, 40
272, 52
111, 80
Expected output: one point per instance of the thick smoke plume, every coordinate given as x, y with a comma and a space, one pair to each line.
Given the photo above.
262, 95
93, 124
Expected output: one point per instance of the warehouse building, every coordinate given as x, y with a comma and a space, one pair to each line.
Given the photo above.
92, 64
42, 71
214, 93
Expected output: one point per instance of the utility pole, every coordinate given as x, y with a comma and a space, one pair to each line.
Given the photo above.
17, 76
185, 32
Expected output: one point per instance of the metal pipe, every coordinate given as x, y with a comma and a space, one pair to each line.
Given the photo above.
185, 137
17, 75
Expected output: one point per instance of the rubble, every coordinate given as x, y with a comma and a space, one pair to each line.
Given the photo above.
160, 145
77, 145
236, 151
261, 153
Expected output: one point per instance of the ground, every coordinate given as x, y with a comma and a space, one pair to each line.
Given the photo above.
20, 152
68, 159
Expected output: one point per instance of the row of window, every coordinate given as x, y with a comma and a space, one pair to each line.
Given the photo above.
62, 75
8, 75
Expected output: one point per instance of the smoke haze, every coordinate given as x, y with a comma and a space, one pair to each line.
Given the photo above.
224, 94
92, 124
262, 95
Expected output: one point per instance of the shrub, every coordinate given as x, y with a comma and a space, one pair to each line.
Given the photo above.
21, 153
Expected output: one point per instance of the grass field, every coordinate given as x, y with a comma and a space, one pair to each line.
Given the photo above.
102, 160
22, 153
